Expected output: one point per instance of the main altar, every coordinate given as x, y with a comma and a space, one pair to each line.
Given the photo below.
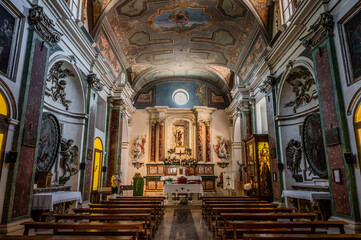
180, 147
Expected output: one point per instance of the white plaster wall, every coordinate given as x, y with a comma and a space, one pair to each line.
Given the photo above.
261, 117
139, 127
220, 127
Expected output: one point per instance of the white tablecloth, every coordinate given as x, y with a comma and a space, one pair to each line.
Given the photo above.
308, 195
46, 201
189, 178
183, 188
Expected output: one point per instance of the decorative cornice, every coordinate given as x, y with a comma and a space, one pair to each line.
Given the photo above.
94, 82
39, 22
268, 84
319, 31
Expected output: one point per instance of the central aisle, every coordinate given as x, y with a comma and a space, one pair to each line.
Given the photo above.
183, 222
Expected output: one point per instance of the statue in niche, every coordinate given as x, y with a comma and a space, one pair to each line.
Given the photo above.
222, 148
68, 152
294, 156
139, 148
179, 136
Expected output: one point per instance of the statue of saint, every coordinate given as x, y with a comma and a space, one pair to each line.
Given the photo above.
179, 136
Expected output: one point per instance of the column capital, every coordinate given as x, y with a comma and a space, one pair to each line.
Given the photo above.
94, 82
41, 23
268, 84
319, 31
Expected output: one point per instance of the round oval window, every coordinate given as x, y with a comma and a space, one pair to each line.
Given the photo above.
180, 96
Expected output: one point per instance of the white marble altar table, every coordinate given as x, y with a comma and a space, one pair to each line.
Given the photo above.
183, 188
46, 201
308, 195
189, 178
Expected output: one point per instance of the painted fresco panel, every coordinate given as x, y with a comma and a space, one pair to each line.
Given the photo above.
107, 51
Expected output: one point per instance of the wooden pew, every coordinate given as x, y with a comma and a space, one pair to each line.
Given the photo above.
236, 229
215, 212
144, 218
208, 207
60, 237
88, 228
222, 220
301, 236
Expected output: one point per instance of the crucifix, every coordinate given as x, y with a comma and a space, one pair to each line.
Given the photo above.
180, 154
228, 178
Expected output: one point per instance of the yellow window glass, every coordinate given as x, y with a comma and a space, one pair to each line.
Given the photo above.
97, 162
358, 114
98, 144
3, 106
1, 141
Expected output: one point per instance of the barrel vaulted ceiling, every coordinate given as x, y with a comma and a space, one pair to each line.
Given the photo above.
207, 40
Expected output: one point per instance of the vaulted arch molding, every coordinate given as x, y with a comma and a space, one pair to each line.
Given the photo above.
210, 85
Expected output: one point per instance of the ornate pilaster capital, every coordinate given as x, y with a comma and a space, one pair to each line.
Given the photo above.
244, 105
268, 84
153, 123
252, 103
110, 100
200, 122
319, 31
94, 82
207, 123
39, 22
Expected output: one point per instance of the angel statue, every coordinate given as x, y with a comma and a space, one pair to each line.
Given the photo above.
138, 148
293, 156
222, 148
68, 153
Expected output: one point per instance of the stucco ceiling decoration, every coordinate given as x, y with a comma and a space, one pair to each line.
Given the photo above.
182, 38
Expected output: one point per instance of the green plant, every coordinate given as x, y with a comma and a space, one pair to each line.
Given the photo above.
183, 201
169, 180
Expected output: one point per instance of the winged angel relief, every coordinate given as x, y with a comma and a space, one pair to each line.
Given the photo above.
201, 93
301, 89
139, 148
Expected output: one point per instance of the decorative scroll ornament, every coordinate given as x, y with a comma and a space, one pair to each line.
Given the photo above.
294, 156
56, 77
319, 31
268, 84
43, 25
301, 88
94, 82
69, 153
222, 148
138, 148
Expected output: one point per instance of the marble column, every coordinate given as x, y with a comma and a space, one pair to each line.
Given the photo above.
19, 190
161, 140
152, 140
200, 142
208, 141
114, 138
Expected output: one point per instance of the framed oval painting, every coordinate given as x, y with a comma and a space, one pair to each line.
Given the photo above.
48, 145
314, 146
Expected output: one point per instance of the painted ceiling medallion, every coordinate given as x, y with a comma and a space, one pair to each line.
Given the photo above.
181, 19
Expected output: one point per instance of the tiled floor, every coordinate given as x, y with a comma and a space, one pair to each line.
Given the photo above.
183, 222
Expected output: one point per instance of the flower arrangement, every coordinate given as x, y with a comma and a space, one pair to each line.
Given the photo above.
171, 161
188, 151
183, 201
171, 151
190, 161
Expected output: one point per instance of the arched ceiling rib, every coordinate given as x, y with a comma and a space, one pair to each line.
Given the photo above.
158, 39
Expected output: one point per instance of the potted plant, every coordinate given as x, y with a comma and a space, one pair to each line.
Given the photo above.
169, 181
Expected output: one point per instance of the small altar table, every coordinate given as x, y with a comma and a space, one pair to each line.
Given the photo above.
46, 201
307, 195
182, 189
189, 178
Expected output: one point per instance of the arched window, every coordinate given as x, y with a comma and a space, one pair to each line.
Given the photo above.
357, 126
4, 114
97, 164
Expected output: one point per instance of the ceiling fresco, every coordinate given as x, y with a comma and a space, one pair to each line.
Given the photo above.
202, 39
